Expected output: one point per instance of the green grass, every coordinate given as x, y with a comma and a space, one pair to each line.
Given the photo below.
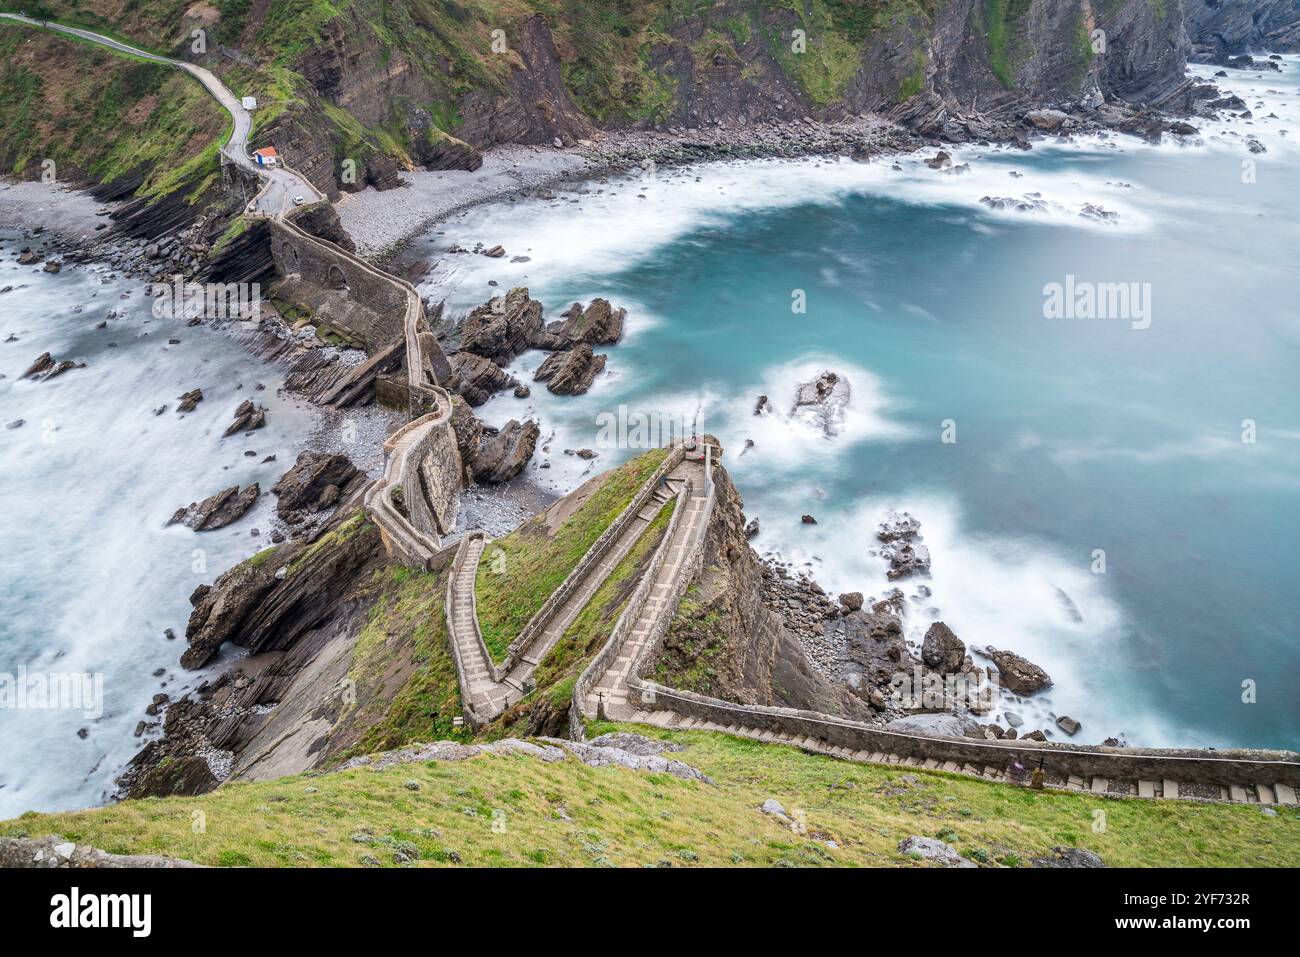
1001, 17
402, 669
518, 573
440, 814
104, 114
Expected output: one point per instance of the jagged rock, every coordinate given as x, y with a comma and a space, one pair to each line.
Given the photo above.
480, 378
1017, 674
761, 405
1068, 725
43, 364
942, 650
1068, 857
52, 266
940, 160
824, 401
902, 546
571, 372
751, 528
502, 456
503, 327
807, 520
1047, 120
189, 400
599, 324
313, 483
248, 417
496, 252
851, 601
217, 511
53, 851
932, 849
267, 602
937, 725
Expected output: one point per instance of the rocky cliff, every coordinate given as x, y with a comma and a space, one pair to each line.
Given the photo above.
1225, 27
355, 90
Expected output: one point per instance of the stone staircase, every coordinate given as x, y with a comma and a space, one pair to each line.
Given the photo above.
1270, 793
489, 689
610, 691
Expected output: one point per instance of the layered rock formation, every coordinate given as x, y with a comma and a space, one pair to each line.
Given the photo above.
1222, 28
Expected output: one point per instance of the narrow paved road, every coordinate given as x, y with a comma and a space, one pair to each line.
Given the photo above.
282, 184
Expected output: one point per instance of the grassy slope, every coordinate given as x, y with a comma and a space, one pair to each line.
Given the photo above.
535, 560
103, 114
627, 818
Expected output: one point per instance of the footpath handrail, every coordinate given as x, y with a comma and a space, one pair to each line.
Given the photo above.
462, 677
627, 620
592, 557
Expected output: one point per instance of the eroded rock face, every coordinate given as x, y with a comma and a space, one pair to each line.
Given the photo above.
1018, 675
599, 324
504, 327
571, 372
502, 456
217, 511
313, 484
479, 378
265, 603
823, 401
942, 650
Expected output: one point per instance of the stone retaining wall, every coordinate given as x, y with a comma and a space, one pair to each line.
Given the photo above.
625, 623
593, 557
1241, 767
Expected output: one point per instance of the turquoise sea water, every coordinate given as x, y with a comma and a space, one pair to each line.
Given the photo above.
1072, 435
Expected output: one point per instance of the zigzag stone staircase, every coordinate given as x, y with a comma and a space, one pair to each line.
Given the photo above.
488, 688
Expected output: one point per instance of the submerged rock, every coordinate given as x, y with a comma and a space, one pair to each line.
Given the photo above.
824, 401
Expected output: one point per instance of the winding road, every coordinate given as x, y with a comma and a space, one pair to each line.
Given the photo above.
281, 184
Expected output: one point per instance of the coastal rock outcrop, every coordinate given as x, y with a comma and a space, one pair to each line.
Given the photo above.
492, 455
571, 372
900, 535
479, 378
265, 603
314, 483
1017, 674
503, 327
248, 417
942, 650
217, 511
600, 324
823, 401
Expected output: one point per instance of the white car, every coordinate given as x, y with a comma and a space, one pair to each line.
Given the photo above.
298, 200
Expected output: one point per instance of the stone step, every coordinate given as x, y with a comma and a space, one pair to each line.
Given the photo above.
1285, 794
1266, 794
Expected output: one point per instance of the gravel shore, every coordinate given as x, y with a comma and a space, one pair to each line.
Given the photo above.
382, 222
59, 208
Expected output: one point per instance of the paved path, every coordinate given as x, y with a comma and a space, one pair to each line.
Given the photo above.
488, 697
1169, 789
611, 687
281, 185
